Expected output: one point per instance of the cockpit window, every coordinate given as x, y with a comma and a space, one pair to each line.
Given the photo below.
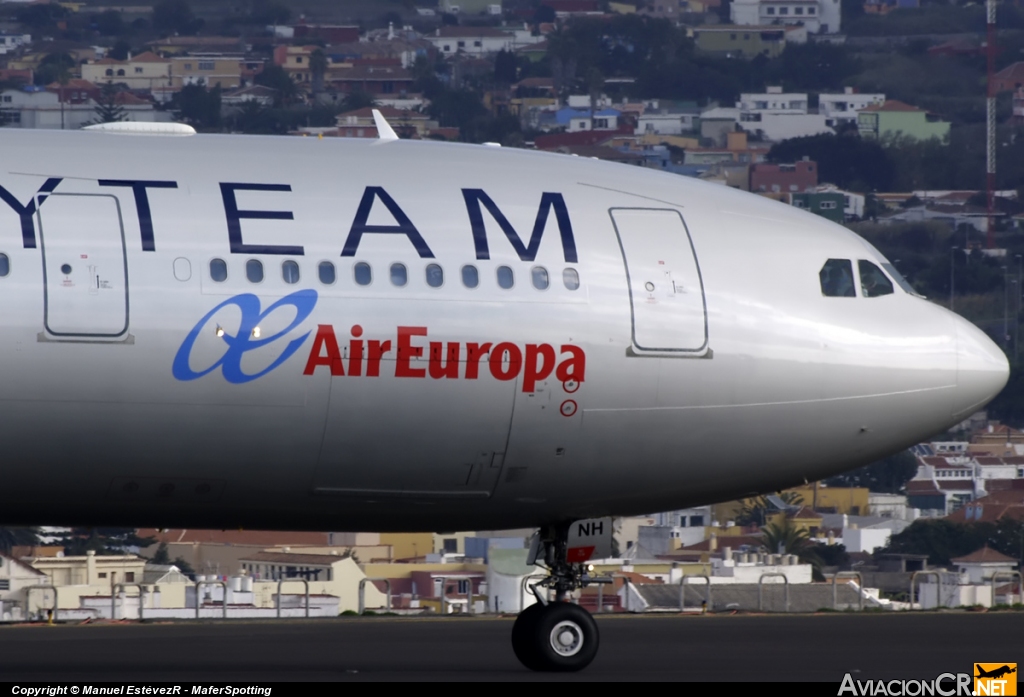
873, 282
836, 278
898, 277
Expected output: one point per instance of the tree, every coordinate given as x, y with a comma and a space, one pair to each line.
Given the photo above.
357, 100
782, 537
175, 17
846, 161
110, 23
108, 110
318, 68
120, 50
754, 511
161, 556
886, 476
54, 67
505, 71
103, 541
277, 78
17, 537
198, 106
184, 567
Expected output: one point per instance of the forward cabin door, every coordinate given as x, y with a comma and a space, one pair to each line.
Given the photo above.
666, 292
85, 266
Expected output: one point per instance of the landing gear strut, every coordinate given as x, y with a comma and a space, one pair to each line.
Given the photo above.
559, 635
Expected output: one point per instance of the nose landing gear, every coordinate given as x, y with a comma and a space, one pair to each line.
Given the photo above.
556, 636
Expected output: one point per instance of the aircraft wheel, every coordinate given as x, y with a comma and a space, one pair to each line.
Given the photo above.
561, 637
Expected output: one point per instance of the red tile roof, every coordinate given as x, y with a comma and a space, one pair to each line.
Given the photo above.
985, 555
891, 105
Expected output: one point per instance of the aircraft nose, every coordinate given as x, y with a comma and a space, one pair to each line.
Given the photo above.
981, 369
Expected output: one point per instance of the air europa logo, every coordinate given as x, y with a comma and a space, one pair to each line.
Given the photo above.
247, 338
407, 355
445, 360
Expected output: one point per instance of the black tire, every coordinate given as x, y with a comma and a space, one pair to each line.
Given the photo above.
565, 638
523, 632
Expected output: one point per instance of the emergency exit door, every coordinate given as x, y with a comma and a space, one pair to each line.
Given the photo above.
666, 292
85, 265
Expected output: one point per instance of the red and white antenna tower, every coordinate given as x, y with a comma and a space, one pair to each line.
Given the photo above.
990, 130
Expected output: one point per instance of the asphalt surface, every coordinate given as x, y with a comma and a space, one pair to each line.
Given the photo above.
710, 648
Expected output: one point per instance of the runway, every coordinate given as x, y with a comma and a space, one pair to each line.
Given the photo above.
711, 648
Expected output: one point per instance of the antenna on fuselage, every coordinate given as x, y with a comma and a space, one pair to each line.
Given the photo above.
384, 130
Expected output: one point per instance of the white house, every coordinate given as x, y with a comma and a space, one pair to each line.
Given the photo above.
843, 108
15, 577
474, 41
11, 42
981, 565
818, 16
773, 100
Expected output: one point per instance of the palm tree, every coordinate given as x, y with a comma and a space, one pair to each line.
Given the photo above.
782, 537
754, 511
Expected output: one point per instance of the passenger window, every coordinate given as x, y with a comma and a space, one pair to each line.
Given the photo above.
571, 279
254, 271
470, 276
5, 265
290, 271
873, 282
363, 274
326, 271
836, 278
435, 276
218, 270
506, 279
399, 276
540, 277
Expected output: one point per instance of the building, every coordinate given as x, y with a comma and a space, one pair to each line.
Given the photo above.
895, 118
15, 578
12, 42
37, 107
840, 109
142, 72
773, 101
1010, 78
818, 16
475, 41
209, 69
382, 80
360, 124
784, 178
740, 42
827, 204
981, 565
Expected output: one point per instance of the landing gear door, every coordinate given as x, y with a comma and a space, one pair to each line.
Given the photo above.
666, 292
85, 267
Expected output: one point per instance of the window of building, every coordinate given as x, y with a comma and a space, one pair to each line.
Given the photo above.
129, 576
435, 276
470, 276
188, 66
363, 273
103, 574
120, 73
109, 72
798, 10
571, 279
218, 270
732, 37
451, 545
462, 44
399, 275
873, 283
783, 10
600, 123
447, 48
696, 521
326, 273
477, 44
138, 71
827, 205
290, 271
463, 586
298, 59
5, 265
771, 10
540, 277
206, 65
5, 584
810, 10
836, 278
254, 271
506, 279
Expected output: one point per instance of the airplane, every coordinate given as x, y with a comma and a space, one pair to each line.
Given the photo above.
219, 331
995, 672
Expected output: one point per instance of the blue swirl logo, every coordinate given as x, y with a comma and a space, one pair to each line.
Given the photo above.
243, 341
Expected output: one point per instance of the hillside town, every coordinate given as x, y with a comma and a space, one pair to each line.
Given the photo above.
836, 107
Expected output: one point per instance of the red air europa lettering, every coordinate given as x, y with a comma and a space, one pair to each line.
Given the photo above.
415, 357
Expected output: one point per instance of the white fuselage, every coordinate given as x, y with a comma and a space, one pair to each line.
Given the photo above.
697, 360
